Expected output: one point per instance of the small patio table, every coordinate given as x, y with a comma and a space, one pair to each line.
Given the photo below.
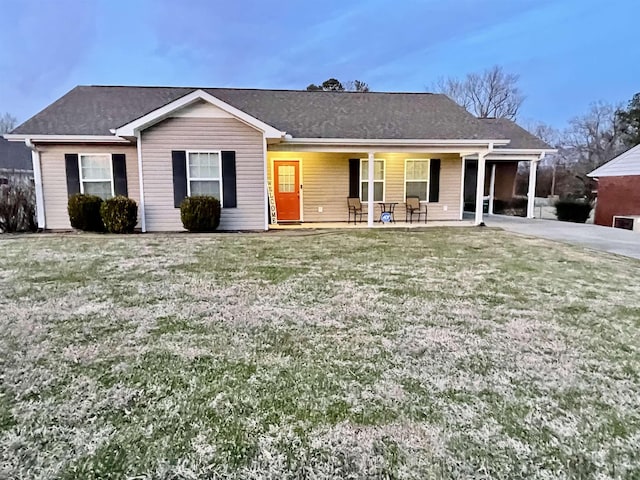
387, 212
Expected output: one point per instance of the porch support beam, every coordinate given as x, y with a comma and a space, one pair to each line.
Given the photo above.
460, 150
479, 220
37, 180
370, 207
492, 188
531, 195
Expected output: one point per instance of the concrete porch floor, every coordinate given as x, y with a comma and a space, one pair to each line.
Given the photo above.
363, 225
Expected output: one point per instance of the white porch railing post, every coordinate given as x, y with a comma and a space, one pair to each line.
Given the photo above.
370, 211
480, 189
492, 188
531, 195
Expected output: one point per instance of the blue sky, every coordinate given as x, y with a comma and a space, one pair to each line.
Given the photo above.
568, 53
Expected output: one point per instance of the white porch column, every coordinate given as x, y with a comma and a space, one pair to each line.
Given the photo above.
492, 188
480, 188
37, 180
531, 195
370, 211
141, 214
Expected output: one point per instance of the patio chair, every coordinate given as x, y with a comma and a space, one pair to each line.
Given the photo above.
355, 209
414, 207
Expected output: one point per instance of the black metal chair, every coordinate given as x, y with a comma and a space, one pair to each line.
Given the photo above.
414, 207
355, 209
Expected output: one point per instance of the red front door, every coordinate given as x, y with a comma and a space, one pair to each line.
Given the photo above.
287, 189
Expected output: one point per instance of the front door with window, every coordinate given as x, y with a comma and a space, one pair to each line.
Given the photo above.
287, 189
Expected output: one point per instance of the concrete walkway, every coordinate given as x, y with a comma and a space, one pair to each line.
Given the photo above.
606, 239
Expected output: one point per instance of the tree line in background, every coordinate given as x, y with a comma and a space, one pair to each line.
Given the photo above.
589, 141
335, 85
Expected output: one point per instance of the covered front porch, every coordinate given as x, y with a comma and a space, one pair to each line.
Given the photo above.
310, 187
313, 187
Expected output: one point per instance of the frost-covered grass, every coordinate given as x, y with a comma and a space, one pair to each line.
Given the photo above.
360, 354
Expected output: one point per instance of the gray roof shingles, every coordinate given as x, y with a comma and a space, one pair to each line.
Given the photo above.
94, 110
520, 138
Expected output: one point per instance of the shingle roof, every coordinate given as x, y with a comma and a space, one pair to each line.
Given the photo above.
14, 155
627, 163
94, 110
520, 138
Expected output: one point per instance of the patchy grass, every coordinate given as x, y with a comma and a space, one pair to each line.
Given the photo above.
361, 354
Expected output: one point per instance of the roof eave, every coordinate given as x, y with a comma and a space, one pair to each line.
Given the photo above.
393, 141
36, 138
532, 151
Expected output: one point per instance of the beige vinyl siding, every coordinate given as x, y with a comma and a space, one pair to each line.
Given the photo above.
54, 178
325, 181
205, 134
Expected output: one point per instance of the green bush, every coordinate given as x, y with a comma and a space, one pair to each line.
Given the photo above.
84, 212
200, 214
569, 210
119, 214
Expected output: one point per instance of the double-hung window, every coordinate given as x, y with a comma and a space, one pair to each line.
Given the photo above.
416, 174
96, 175
378, 180
204, 174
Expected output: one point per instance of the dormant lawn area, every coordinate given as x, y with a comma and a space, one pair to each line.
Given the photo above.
366, 354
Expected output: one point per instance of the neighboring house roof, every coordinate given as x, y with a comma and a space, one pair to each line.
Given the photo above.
95, 110
627, 163
520, 138
14, 155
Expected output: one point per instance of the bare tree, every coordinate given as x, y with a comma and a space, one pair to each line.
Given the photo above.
593, 138
492, 93
356, 86
7, 123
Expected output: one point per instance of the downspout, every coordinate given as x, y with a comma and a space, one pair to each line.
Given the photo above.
37, 180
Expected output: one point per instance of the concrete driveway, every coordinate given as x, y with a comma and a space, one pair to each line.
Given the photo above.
606, 239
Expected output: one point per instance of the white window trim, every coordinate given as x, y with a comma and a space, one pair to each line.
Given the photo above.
384, 179
203, 179
93, 180
428, 180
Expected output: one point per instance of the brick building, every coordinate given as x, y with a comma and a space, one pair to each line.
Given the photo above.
618, 187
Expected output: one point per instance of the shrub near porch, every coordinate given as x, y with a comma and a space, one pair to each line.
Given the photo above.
359, 354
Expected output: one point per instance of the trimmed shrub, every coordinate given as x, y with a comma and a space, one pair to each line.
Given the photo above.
569, 210
119, 214
200, 214
84, 212
17, 208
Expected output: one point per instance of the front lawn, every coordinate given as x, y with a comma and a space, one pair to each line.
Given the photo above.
355, 354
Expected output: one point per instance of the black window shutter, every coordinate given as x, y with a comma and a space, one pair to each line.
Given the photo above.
354, 177
179, 160
229, 179
434, 180
73, 175
119, 165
